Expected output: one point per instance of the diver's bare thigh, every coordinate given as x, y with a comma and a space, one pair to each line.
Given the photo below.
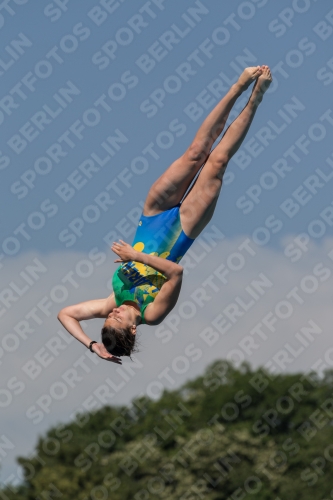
169, 189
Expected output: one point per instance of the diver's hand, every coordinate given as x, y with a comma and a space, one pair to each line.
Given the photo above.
125, 251
101, 351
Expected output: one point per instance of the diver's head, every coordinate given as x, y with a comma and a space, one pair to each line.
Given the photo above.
119, 330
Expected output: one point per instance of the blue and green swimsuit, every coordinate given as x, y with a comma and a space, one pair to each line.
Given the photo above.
161, 235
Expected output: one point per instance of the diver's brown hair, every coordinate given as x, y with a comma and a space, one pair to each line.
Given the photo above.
118, 341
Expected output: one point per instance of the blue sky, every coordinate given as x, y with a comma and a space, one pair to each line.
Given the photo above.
74, 74
299, 53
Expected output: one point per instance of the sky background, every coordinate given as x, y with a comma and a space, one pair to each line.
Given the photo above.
74, 74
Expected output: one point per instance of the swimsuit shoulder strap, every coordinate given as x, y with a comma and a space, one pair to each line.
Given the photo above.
143, 321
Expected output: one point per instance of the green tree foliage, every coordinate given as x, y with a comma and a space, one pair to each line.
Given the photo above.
230, 434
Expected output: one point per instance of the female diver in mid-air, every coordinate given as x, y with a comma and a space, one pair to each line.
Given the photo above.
147, 283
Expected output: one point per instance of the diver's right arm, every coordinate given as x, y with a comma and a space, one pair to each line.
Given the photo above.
127, 253
167, 297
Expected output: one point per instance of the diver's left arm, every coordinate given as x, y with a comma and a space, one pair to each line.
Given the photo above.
71, 316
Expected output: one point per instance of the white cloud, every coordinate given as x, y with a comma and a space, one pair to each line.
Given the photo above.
204, 296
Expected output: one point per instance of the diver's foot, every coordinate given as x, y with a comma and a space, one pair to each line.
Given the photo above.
262, 84
248, 76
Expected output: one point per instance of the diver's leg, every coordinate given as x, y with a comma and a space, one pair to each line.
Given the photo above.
170, 188
198, 207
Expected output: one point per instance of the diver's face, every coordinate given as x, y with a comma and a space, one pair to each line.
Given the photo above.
121, 317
